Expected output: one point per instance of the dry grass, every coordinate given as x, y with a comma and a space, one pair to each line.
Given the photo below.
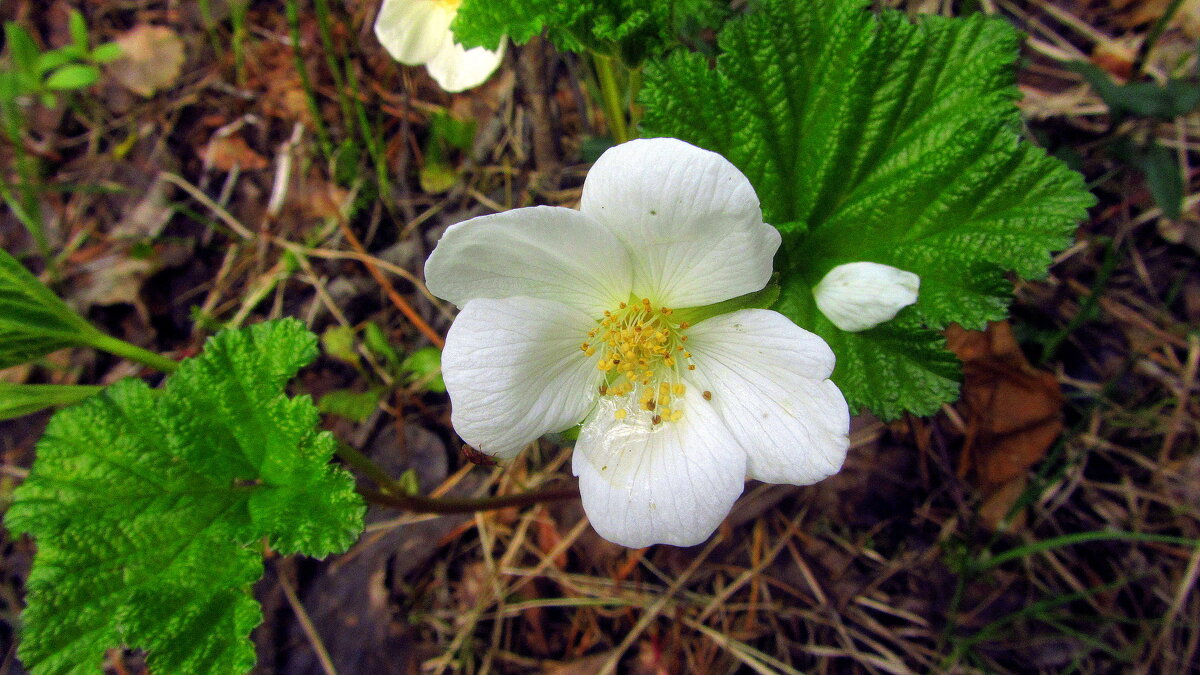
886, 568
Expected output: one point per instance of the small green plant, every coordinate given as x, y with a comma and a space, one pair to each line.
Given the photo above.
31, 76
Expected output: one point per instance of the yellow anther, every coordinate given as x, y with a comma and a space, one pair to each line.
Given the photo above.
590, 351
619, 414
676, 415
691, 366
678, 389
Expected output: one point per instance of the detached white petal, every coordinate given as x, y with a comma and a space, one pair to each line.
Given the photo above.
514, 371
767, 379
861, 295
645, 484
413, 31
458, 69
688, 216
541, 252
417, 32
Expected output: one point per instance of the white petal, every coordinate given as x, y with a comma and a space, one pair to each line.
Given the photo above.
514, 371
767, 377
669, 484
413, 31
861, 295
689, 217
540, 252
457, 69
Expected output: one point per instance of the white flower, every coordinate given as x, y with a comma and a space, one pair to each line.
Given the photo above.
861, 295
582, 315
417, 32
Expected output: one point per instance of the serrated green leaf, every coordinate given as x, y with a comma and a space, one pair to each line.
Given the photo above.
149, 509
870, 138
17, 400
73, 76
33, 321
633, 29
897, 367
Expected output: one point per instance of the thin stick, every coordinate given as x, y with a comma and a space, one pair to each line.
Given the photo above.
309, 629
383, 281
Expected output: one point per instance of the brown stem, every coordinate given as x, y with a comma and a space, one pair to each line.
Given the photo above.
393, 495
456, 505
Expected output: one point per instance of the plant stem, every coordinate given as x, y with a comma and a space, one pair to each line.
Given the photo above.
610, 95
132, 352
393, 495
456, 505
372, 470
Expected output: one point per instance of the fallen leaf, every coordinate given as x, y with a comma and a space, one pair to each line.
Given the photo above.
152, 61
225, 152
1012, 415
1115, 57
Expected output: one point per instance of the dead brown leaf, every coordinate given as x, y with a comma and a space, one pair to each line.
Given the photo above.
225, 152
1012, 414
153, 59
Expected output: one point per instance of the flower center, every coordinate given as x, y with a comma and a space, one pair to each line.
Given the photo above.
643, 353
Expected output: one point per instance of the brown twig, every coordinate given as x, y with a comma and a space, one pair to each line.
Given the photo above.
397, 299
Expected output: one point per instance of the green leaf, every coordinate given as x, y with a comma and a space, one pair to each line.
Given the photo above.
50, 60
870, 138
73, 76
79, 30
338, 342
355, 406
149, 509
21, 47
33, 321
1160, 166
425, 365
17, 400
107, 53
1144, 99
377, 342
633, 29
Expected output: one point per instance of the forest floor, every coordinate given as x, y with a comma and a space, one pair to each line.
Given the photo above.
270, 169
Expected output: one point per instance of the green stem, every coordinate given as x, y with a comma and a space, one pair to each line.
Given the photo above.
610, 95
129, 351
394, 496
1080, 538
372, 470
